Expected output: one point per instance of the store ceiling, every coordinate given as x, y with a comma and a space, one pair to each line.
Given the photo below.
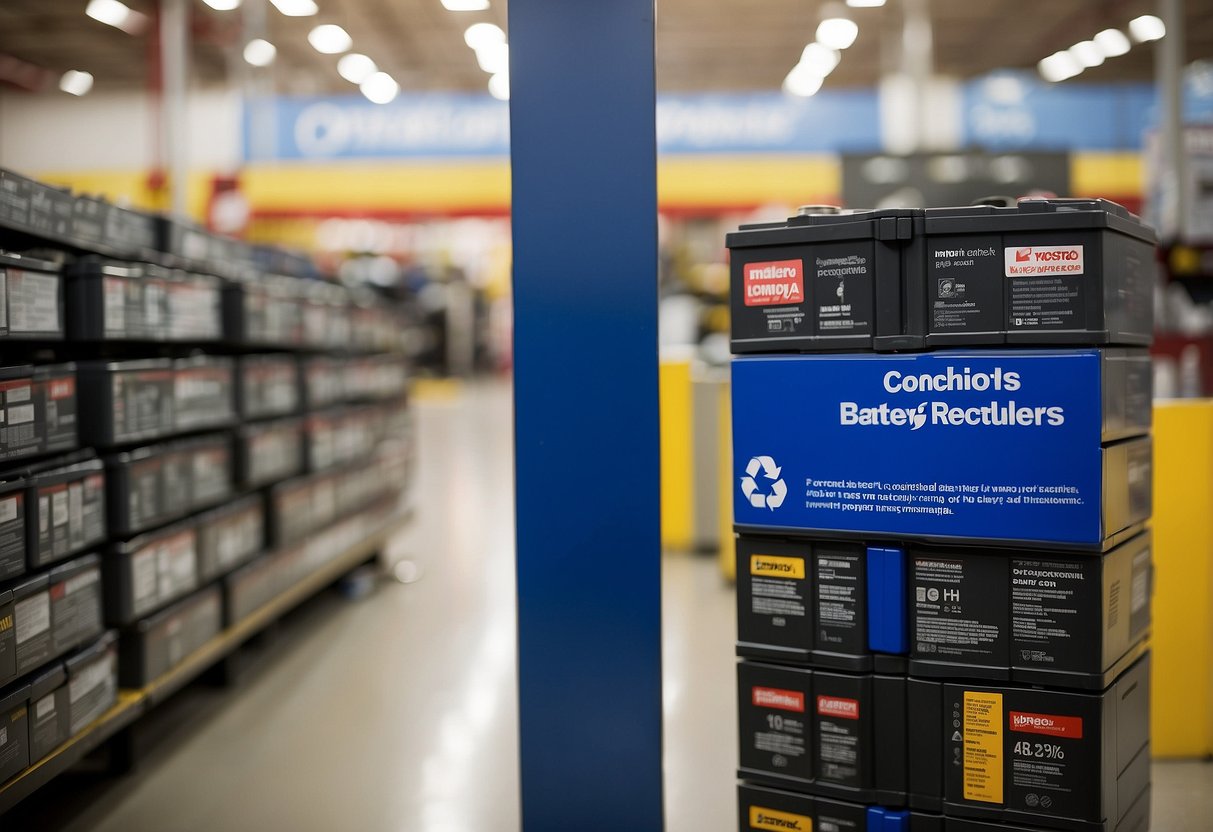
703, 45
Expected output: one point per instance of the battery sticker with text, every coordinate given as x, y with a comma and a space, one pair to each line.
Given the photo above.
982, 725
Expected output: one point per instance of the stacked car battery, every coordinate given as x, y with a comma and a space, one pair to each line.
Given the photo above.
174, 419
941, 427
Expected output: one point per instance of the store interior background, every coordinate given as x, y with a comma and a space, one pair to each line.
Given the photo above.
402, 181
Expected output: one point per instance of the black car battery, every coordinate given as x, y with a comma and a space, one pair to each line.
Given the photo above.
325, 315
1045, 271
110, 300
269, 386
92, 681
828, 280
65, 509
1063, 619
8, 638
156, 645
29, 397
157, 484
152, 570
833, 734
340, 436
990, 752
211, 469
194, 307
75, 591
49, 720
204, 393
130, 233
1044, 758
33, 208
229, 536
269, 452
265, 312
301, 506
252, 586
31, 299
34, 641
127, 401
12, 529
55, 394
324, 381
376, 378
14, 731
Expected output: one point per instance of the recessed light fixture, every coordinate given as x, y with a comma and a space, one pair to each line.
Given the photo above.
260, 52
223, 5
480, 35
1087, 53
330, 39
499, 86
296, 8
76, 82
465, 5
116, 14
1147, 28
356, 68
837, 32
494, 58
802, 82
1059, 66
1112, 42
380, 88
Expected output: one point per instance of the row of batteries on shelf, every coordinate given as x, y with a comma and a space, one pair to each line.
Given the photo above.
941, 443
146, 503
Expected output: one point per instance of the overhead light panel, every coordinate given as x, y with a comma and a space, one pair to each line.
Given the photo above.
802, 82
494, 58
1087, 53
76, 82
116, 14
1112, 42
1147, 28
260, 52
223, 5
356, 68
465, 5
296, 8
330, 39
480, 35
819, 60
380, 87
865, 4
1059, 66
499, 86
837, 32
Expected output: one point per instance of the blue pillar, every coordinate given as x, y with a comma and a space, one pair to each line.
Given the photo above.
586, 431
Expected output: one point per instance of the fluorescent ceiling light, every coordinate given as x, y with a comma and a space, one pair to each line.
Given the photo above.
480, 35
223, 5
494, 58
819, 60
837, 32
116, 14
380, 87
356, 68
465, 5
1112, 42
499, 86
1147, 28
865, 4
329, 39
1059, 66
76, 82
260, 52
1086, 53
296, 8
801, 82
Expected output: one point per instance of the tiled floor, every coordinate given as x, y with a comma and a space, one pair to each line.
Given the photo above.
396, 713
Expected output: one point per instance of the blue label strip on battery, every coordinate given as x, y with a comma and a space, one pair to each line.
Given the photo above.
888, 820
887, 614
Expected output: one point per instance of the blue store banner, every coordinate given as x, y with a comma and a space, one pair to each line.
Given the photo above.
983, 444
463, 125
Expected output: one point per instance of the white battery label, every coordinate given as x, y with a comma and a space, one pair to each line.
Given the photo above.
143, 577
33, 301
114, 290
153, 303
21, 415
8, 510
32, 616
44, 514
82, 581
59, 508
44, 707
1042, 261
18, 394
3, 299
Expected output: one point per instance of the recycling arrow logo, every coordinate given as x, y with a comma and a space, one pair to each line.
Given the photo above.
773, 491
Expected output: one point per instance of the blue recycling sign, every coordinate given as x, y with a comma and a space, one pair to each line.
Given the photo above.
1000, 445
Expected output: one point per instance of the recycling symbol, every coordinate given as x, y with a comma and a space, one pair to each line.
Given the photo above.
773, 490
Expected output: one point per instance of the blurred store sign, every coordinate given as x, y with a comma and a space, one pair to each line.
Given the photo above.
476, 125
933, 179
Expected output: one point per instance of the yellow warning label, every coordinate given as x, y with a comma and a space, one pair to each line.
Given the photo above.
774, 821
983, 746
770, 566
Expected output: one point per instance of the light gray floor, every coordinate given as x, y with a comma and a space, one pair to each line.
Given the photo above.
396, 713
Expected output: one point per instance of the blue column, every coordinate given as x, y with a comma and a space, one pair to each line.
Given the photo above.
586, 431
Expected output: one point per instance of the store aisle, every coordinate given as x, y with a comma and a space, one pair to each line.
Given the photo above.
397, 713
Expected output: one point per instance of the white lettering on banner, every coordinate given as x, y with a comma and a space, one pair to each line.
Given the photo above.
697, 125
328, 129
